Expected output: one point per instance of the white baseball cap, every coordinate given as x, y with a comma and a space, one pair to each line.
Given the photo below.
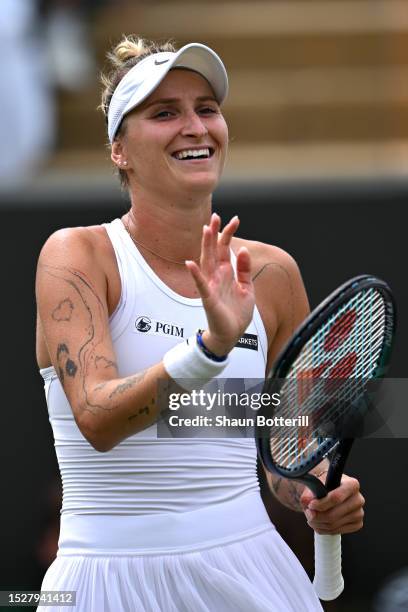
146, 75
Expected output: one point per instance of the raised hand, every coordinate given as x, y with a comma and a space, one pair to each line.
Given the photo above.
228, 299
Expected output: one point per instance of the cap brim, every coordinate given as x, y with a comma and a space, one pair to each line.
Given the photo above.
206, 62
193, 56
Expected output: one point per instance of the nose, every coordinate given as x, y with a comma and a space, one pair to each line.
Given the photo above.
194, 126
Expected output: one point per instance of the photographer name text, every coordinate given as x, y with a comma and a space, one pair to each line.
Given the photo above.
224, 421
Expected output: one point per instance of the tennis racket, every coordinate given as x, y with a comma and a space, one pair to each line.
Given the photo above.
323, 373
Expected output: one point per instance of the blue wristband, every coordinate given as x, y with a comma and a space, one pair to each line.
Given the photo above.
205, 350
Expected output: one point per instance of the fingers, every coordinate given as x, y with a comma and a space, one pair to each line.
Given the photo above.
244, 276
350, 524
199, 279
215, 249
349, 515
341, 511
349, 486
215, 246
227, 233
209, 256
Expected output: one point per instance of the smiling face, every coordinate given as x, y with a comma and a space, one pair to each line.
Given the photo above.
176, 141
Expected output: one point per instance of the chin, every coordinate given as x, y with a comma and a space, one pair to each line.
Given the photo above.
202, 184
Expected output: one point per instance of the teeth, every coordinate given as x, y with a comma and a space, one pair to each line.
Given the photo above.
192, 153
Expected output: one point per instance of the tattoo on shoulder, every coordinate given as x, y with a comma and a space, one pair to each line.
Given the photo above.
291, 293
268, 265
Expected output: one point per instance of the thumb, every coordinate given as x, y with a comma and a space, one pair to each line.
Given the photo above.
244, 266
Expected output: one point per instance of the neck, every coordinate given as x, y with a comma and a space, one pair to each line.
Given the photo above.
172, 231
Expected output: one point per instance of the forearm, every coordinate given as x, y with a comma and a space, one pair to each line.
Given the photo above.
113, 410
288, 491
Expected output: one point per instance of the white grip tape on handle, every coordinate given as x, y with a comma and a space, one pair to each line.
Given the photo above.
328, 581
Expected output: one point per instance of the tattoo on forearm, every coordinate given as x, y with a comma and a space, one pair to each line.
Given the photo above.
294, 495
276, 484
128, 384
101, 386
145, 410
288, 492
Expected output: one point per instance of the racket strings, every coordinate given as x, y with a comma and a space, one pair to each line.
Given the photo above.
329, 377
371, 314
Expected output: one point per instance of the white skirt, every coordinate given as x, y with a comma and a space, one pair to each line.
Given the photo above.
223, 558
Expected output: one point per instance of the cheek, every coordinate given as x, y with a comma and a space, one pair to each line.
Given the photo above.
224, 140
223, 135
144, 157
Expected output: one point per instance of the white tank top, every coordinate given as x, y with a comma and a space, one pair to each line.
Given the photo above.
145, 474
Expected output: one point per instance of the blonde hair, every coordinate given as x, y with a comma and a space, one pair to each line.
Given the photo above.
126, 54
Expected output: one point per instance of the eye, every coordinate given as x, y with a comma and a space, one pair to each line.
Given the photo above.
208, 110
164, 114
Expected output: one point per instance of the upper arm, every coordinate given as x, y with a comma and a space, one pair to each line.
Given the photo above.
283, 304
281, 297
72, 307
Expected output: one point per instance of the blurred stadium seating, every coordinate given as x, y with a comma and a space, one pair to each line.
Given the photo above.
318, 87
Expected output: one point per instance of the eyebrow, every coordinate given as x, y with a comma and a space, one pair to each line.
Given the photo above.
173, 100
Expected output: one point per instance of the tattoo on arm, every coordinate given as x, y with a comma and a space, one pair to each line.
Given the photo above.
145, 410
276, 484
63, 312
65, 364
294, 495
90, 311
128, 384
291, 297
288, 492
102, 362
90, 306
62, 349
101, 386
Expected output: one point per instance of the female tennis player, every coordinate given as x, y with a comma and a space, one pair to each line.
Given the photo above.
150, 523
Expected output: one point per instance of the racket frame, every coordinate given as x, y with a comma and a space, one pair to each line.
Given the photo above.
284, 361
328, 581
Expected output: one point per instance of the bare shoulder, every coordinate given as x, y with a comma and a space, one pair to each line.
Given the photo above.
83, 249
279, 291
268, 260
75, 241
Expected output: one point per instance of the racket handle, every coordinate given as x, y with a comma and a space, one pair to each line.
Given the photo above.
328, 581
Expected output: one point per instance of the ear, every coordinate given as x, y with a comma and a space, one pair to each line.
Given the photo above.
118, 154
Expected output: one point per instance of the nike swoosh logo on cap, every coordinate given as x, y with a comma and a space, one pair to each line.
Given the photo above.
157, 63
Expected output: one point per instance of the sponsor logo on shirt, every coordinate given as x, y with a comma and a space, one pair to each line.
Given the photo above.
248, 341
147, 325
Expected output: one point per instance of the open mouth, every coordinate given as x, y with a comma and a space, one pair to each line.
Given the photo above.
191, 154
